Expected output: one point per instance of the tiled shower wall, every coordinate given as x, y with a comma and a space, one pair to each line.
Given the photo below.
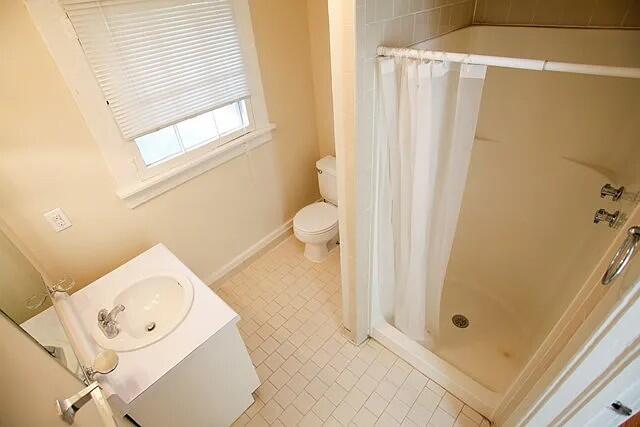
584, 13
396, 23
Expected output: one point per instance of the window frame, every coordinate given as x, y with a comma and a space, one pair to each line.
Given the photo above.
212, 145
136, 183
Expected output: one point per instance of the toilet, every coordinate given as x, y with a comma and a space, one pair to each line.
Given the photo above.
316, 225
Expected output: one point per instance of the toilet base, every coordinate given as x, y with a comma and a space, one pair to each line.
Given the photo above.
318, 252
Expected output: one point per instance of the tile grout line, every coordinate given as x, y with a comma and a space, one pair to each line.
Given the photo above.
338, 372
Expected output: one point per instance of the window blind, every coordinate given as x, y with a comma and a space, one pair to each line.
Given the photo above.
159, 62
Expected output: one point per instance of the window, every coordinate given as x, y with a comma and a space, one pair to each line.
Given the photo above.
217, 126
173, 85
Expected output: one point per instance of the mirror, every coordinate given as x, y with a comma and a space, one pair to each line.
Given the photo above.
24, 300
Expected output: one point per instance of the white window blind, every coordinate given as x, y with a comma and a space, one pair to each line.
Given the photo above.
159, 62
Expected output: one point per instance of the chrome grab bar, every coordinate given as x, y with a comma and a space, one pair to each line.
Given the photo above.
622, 257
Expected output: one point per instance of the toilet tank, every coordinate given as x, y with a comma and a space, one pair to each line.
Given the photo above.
326, 168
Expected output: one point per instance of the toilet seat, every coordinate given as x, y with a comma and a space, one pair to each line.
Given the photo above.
316, 218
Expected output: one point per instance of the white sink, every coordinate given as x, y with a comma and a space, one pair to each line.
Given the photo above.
154, 307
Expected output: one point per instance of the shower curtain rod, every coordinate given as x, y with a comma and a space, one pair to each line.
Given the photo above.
507, 62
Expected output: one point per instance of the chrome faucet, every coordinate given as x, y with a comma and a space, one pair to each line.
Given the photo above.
604, 216
609, 190
107, 321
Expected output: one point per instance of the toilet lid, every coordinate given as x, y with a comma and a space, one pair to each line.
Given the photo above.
316, 218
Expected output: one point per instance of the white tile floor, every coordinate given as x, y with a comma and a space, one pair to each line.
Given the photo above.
311, 375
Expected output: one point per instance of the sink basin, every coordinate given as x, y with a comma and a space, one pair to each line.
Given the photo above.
154, 307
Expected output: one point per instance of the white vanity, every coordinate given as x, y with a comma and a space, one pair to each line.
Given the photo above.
182, 360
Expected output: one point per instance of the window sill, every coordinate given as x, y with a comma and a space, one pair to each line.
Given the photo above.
141, 192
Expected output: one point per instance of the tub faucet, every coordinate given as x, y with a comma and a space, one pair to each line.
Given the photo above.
609, 190
610, 218
107, 321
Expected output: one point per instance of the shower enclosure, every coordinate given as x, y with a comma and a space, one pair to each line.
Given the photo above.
524, 241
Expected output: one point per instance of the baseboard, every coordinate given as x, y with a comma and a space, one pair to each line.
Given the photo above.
215, 279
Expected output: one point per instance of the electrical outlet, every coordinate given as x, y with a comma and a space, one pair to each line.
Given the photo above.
57, 219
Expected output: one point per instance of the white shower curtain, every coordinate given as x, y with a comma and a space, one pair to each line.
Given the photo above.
426, 116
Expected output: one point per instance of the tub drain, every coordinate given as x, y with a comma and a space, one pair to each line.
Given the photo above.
460, 321
150, 326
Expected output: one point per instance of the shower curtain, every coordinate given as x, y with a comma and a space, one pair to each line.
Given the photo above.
426, 115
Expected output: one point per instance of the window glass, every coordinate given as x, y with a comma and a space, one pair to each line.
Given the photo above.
228, 118
197, 130
192, 133
243, 111
159, 145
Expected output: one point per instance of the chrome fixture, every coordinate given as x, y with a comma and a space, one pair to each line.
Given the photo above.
603, 215
107, 321
623, 255
610, 190
621, 408
67, 408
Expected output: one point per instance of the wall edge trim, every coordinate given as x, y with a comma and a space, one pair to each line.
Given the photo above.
272, 239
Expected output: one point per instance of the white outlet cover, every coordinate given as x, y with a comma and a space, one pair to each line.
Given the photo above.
57, 219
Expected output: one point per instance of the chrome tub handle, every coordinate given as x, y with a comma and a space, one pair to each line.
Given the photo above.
622, 257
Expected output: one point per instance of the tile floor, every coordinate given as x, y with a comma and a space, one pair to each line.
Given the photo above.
311, 374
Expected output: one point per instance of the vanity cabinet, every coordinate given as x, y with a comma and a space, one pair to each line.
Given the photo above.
212, 386
198, 374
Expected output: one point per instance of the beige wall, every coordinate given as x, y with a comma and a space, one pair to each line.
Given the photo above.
592, 13
31, 381
318, 17
48, 160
